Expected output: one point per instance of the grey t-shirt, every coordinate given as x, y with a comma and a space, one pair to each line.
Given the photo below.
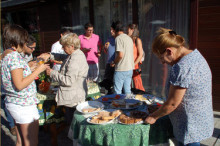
124, 44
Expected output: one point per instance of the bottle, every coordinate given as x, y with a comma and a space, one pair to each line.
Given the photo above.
40, 61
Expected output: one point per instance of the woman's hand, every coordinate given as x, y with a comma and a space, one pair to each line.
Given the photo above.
45, 56
42, 67
98, 54
48, 71
150, 120
32, 65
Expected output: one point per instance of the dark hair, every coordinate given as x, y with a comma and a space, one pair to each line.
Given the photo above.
87, 25
118, 26
64, 31
14, 36
31, 40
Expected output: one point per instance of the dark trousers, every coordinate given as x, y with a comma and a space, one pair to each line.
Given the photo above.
69, 114
107, 82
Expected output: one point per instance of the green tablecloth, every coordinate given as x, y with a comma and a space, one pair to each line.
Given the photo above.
48, 109
50, 112
93, 91
118, 134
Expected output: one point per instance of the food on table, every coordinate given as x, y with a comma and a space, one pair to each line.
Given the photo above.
116, 113
105, 116
128, 120
44, 86
117, 96
111, 98
140, 97
88, 110
133, 118
104, 99
123, 104
119, 103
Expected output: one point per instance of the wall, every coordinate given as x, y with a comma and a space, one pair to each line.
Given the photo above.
209, 42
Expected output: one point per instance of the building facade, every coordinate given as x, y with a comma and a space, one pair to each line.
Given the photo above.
44, 18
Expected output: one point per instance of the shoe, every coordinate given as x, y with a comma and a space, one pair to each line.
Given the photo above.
13, 131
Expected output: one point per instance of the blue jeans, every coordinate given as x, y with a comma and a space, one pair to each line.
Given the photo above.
7, 114
189, 144
122, 79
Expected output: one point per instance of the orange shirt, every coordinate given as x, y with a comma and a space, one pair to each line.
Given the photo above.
135, 51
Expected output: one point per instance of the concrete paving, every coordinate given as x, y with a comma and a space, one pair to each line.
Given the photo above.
44, 137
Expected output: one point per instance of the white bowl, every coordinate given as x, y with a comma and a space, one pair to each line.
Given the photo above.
90, 104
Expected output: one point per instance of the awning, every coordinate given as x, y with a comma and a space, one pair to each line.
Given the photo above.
9, 3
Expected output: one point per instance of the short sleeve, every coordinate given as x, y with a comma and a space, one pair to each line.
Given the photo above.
180, 75
15, 62
53, 48
119, 44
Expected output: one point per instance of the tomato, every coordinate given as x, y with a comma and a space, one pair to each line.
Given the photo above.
117, 96
104, 99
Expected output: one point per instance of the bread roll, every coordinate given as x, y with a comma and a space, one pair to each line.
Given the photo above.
116, 113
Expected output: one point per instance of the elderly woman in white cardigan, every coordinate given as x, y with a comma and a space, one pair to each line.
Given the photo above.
72, 76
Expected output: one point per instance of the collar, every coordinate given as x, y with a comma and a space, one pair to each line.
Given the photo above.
84, 36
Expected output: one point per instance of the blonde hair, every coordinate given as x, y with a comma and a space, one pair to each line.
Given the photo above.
70, 39
167, 38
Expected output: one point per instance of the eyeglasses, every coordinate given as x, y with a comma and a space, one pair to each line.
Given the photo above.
31, 47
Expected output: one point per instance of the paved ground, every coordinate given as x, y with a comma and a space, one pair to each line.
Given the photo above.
44, 138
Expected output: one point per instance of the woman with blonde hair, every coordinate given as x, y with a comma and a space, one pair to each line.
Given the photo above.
72, 75
19, 85
133, 32
189, 90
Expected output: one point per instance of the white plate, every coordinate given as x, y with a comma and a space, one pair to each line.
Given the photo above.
109, 122
90, 104
111, 97
128, 101
153, 99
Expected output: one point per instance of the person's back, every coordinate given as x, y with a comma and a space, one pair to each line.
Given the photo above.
123, 62
124, 44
